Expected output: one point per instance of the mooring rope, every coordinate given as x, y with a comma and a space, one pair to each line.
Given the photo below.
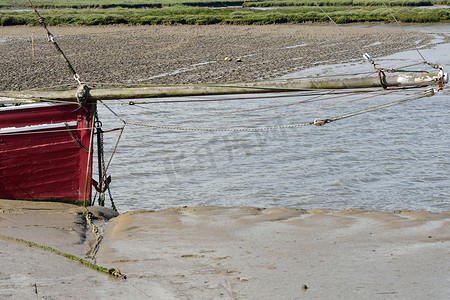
112, 271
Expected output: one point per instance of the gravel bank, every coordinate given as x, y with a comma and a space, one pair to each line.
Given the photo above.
185, 54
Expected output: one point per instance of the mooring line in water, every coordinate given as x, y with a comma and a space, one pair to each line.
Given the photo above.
112, 271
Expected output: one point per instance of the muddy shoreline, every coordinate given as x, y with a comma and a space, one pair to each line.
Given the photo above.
224, 253
185, 54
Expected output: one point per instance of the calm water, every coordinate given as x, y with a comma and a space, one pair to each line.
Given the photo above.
395, 158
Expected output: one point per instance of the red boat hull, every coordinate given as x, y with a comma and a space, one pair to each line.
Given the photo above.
44, 152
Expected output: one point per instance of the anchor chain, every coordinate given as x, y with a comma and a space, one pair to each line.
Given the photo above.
95, 231
104, 181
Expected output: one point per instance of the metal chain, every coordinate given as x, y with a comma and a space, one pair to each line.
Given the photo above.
179, 128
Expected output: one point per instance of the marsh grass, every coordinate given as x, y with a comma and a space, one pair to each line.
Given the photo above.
347, 3
198, 12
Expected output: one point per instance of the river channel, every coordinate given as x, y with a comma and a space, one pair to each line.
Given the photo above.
389, 159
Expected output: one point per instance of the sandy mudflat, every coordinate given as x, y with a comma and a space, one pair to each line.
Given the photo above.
185, 54
212, 252
227, 253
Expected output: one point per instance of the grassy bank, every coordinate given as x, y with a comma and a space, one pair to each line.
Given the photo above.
84, 4
138, 12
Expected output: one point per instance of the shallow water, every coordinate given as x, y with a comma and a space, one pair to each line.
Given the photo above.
395, 158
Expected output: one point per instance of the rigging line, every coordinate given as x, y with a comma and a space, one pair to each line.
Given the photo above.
301, 110
368, 73
401, 27
112, 271
402, 68
313, 99
322, 93
333, 75
209, 100
87, 181
254, 109
57, 87
311, 93
427, 93
115, 148
52, 40
113, 112
313, 108
219, 99
339, 28
241, 129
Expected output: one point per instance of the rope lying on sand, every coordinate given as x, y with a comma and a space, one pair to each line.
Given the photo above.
112, 271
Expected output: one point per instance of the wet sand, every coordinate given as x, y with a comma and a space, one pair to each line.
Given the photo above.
227, 253
185, 54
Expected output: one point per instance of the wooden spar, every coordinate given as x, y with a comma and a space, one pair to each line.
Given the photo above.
157, 91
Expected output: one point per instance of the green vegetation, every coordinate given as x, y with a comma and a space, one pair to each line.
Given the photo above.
83, 4
346, 3
202, 12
